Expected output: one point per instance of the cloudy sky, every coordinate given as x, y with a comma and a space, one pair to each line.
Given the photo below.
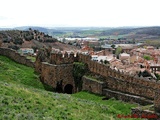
106, 13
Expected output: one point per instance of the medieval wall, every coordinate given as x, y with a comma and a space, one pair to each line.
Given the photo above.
61, 69
122, 82
126, 97
59, 58
157, 101
92, 85
130, 87
125, 83
52, 74
16, 56
115, 80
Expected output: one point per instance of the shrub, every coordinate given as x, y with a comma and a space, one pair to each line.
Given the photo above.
17, 40
147, 57
79, 69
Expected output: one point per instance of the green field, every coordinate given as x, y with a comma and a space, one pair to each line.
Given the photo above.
23, 97
33, 59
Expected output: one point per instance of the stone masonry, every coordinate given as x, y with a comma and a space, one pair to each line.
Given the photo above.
16, 56
58, 69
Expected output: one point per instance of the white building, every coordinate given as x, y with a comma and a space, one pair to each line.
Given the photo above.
103, 58
94, 57
26, 50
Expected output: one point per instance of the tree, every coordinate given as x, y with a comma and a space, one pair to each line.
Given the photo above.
145, 73
101, 61
15, 47
147, 57
18, 40
106, 62
113, 46
69, 43
34, 48
30, 29
118, 51
79, 69
29, 37
157, 75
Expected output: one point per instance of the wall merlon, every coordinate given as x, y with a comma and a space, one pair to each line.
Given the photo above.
59, 58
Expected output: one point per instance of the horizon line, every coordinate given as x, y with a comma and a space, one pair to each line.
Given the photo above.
65, 26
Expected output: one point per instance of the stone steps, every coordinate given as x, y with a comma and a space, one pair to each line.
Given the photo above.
126, 97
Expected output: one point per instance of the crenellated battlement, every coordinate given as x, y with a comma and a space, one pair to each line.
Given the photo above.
60, 58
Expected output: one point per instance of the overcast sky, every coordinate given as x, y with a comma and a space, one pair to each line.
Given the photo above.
105, 13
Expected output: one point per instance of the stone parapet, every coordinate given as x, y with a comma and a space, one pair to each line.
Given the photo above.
14, 55
92, 85
126, 97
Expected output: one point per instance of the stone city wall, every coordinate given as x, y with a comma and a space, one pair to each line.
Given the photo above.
126, 97
115, 80
14, 55
61, 69
122, 82
125, 83
92, 85
157, 101
52, 74
59, 58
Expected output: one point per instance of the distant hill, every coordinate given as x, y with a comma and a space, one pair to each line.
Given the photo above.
143, 30
41, 29
148, 30
5, 28
139, 33
129, 33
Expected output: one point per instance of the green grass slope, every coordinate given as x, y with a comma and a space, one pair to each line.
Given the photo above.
114, 106
16, 73
22, 97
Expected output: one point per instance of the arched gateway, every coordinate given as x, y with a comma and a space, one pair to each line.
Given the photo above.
68, 89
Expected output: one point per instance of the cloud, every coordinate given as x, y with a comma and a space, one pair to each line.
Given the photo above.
3, 18
79, 12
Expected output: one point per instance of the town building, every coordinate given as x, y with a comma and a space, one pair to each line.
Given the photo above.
26, 51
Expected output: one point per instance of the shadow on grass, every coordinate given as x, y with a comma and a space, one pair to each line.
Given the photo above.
48, 88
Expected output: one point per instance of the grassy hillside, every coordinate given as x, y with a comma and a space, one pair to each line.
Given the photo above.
114, 106
23, 97
12, 72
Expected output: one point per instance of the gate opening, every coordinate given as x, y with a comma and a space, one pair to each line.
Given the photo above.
68, 89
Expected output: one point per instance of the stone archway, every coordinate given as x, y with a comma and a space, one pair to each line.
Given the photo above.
68, 89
